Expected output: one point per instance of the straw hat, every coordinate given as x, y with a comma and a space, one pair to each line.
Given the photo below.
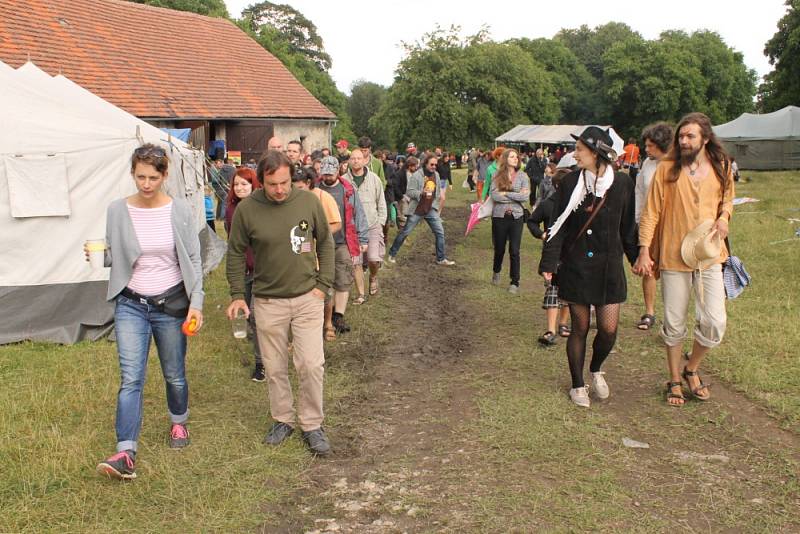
701, 247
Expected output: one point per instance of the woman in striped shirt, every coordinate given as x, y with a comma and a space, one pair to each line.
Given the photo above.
156, 280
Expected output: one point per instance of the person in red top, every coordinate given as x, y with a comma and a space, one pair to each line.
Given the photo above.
244, 182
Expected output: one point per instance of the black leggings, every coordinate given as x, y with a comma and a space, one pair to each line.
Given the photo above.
507, 229
607, 320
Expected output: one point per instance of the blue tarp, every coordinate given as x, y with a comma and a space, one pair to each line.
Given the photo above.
179, 133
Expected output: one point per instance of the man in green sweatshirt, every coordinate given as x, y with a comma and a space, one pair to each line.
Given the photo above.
294, 265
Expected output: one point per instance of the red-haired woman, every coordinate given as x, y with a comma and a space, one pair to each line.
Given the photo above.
244, 182
510, 189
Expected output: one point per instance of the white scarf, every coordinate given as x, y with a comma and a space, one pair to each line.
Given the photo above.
586, 184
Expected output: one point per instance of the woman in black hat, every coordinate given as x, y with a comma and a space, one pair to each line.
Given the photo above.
584, 246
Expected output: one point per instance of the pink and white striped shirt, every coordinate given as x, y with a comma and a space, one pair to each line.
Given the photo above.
157, 269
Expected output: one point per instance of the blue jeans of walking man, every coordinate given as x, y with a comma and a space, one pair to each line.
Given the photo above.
135, 324
435, 223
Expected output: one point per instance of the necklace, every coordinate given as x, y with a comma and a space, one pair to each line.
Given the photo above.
693, 171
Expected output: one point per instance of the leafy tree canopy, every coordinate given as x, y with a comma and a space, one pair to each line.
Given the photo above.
781, 87
212, 8
451, 91
365, 100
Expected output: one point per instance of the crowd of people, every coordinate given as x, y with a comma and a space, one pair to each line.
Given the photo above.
304, 229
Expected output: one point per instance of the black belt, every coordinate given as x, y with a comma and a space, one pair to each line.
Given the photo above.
156, 300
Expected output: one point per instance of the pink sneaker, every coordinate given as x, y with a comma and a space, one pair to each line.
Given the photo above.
120, 466
178, 436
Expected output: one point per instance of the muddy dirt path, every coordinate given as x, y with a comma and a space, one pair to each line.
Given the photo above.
406, 462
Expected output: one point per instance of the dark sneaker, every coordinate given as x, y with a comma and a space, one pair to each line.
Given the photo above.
548, 339
278, 433
120, 466
317, 441
178, 436
258, 374
338, 323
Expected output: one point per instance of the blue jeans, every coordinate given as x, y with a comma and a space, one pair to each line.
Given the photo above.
435, 223
135, 324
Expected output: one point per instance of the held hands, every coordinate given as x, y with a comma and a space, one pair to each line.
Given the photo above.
548, 277
236, 306
644, 264
364, 248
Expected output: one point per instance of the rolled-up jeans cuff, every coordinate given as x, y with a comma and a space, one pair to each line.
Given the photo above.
126, 446
179, 419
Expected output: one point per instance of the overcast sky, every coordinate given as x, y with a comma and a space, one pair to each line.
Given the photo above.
363, 38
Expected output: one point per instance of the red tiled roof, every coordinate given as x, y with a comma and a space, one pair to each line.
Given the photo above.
153, 62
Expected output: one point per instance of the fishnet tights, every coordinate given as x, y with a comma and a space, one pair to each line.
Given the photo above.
607, 320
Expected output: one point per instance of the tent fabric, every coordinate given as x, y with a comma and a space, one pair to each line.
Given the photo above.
763, 142
179, 133
42, 255
552, 134
778, 125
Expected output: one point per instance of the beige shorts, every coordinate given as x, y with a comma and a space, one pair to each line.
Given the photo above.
343, 272
376, 248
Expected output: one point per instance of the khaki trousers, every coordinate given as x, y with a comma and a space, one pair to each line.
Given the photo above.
710, 315
304, 315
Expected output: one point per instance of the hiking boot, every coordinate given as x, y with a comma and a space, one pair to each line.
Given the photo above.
446, 262
178, 436
317, 442
121, 466
258, 374
599, 385
548, 339
580, 396
338, 323
278, 433
495, 279
390, 259
513, 289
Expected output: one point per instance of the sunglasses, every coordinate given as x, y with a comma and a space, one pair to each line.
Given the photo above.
145, 151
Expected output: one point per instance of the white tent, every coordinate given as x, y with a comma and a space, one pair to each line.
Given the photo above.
552, 134
768, 141
64, 156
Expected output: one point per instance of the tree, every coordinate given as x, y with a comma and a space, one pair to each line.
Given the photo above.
212, 8
590, 45
781, 87
299, 33
646, 81
577, 89
310, 71
365, 100
452, 91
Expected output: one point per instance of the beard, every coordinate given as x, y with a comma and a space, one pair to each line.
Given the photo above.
689, 155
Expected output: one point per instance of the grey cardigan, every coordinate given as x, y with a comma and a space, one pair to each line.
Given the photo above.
414, 190
122, 244
511, 200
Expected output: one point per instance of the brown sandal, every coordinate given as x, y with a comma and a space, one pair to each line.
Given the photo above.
359, 300
373, 286
671, 395
695, 391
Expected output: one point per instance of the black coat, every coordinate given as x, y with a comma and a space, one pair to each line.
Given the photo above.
591, 270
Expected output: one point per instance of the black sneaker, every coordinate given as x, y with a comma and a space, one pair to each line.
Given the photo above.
338, 323
548, 339
258, 374
121, 466
178, 436
317, 441
278, 433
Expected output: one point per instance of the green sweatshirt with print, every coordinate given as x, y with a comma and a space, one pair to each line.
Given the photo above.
287, 239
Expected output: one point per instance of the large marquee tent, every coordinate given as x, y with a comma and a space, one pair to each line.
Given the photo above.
768, 141
64, 156
551, 134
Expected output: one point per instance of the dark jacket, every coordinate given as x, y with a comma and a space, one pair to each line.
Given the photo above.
544, 215
589, 266
399, 184
443, 168
535, 170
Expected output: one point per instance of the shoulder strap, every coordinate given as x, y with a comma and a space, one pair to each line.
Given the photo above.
595, 211
725, 171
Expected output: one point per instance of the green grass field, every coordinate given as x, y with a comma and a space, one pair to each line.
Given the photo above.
57, 405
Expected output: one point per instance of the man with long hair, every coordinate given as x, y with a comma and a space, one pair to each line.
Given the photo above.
692, 188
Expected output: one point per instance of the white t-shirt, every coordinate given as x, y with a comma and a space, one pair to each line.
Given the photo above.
157, 269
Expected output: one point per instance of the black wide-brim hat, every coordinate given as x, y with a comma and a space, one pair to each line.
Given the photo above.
599, 141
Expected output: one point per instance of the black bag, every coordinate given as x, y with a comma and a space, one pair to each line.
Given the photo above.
176, 305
